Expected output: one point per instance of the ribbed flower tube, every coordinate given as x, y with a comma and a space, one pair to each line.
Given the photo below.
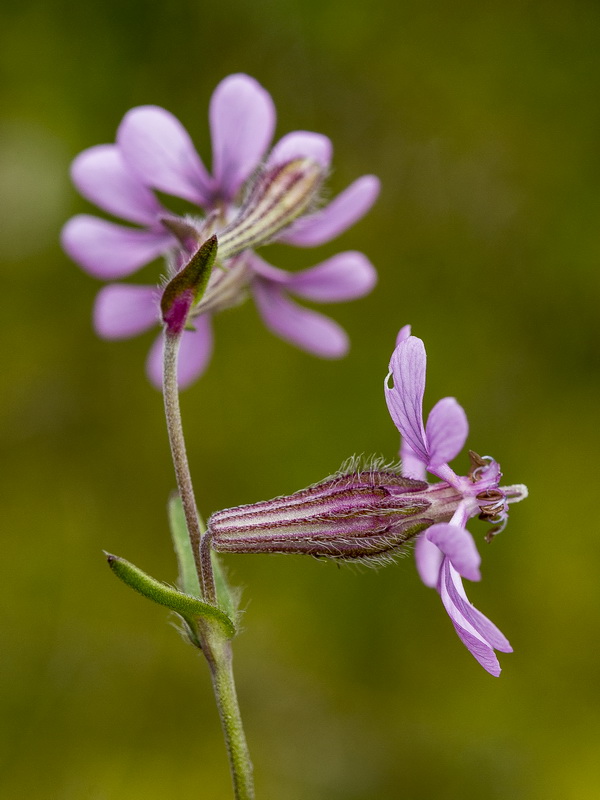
358, 515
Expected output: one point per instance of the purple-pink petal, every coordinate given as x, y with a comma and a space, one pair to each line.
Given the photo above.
303, 327
121, 310
481, 651
345, 276
405, 398
477, 645
458, 546
428, 560
302, 144
479, 621
403, 334
446, 431
268, 271
462, 513
332, 220
242, 121
156, 145
110, 251
195, 352
412, 466
102, 176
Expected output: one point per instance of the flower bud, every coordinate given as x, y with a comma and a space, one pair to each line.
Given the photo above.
187, 287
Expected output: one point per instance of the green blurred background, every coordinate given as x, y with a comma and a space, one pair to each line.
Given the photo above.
482, 120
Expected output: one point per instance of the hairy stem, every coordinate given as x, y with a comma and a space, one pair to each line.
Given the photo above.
180, 462
215, 644
219, 657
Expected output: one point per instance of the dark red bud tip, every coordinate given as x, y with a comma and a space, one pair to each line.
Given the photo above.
175, 316
187, 287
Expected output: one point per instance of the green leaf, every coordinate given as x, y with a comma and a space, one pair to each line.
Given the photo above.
228, 597
188, 577
188, 607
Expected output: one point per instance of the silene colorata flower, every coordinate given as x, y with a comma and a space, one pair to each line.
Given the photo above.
371, 512
253, 196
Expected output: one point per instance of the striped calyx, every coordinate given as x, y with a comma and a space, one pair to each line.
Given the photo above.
279, 195
365, 514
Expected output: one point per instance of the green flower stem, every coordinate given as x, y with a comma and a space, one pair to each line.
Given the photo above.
180, 462
213, 638
217, 650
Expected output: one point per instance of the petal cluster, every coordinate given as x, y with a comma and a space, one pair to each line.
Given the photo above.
446, 552
154, 153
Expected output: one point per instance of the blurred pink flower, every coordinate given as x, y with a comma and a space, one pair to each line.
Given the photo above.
154, 152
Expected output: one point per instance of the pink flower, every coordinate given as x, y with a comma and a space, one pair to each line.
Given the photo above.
445, 552
369, 512
154, 152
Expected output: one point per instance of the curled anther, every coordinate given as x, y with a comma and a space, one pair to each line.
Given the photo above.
479, 473
493, 532
492, 513
496, 506
478, 465
490, 494
476, 460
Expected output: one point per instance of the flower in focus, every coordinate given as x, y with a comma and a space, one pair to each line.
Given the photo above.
369, 512
445, 552
153, 152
